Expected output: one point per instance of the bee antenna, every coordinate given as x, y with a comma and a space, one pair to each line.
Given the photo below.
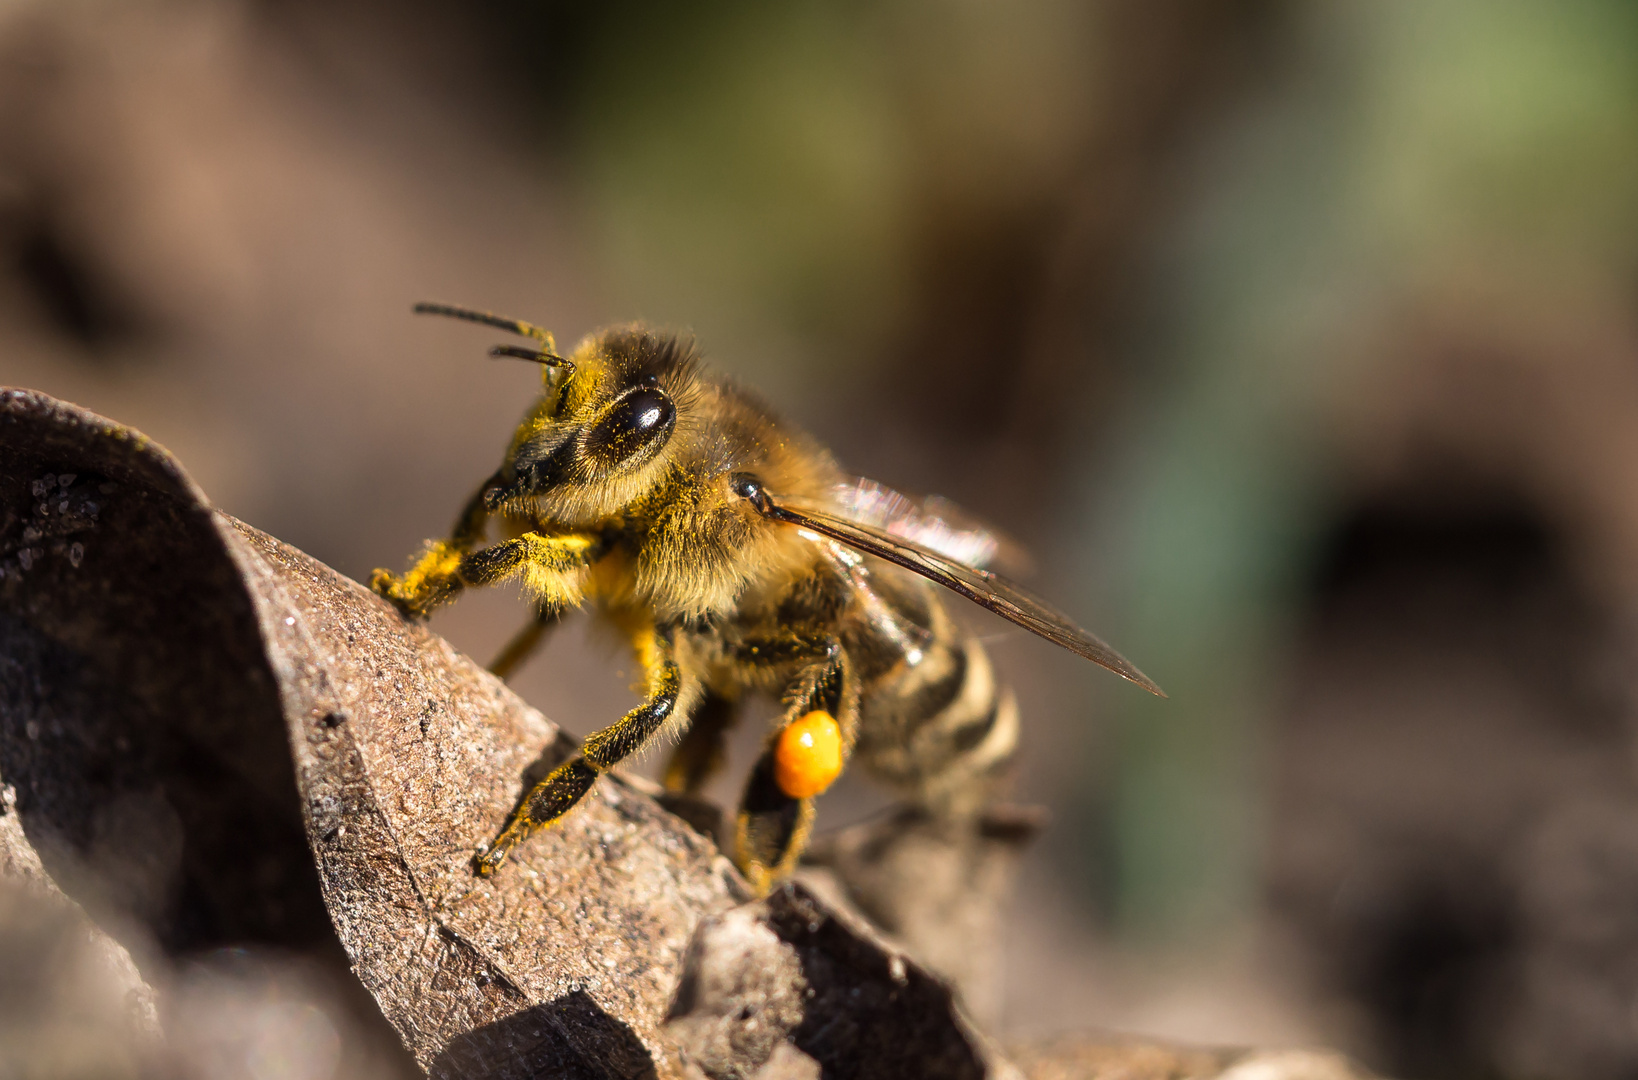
539, 356
516, 326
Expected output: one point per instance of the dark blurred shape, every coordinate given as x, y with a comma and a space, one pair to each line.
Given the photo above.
71, 293
1426, 954
1491, 543
1008, 360
1449, 705
60, 275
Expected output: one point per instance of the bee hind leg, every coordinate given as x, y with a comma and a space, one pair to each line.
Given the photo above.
567, 784
803, 755
772, 829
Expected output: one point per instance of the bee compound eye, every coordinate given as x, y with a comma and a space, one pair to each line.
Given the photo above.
656, 408
644, 411
634, 428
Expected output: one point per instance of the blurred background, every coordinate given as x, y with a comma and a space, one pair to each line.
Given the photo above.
1298, 339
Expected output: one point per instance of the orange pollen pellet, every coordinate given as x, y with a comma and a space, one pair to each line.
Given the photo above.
809, 755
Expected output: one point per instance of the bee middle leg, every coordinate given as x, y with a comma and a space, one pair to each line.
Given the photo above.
775, 822
703, 750
567, 784
525, 641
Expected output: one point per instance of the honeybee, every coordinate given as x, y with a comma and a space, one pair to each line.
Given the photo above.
736, 556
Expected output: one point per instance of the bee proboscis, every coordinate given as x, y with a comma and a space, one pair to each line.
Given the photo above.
736, 556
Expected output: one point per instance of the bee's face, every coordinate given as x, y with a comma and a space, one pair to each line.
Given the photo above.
593, 437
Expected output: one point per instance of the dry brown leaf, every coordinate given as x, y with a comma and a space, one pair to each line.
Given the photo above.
251, 703
211, 735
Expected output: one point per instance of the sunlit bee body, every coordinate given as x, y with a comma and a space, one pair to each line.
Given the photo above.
736, 557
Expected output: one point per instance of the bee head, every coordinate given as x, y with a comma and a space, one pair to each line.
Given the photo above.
594, 440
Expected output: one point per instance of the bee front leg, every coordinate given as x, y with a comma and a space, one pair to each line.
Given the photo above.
802, 758
433, 581
544, 562
567, 784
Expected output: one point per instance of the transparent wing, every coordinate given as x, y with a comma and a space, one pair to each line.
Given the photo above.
933, 522
978, 585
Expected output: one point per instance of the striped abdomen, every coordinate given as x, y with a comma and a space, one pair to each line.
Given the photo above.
933, 720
